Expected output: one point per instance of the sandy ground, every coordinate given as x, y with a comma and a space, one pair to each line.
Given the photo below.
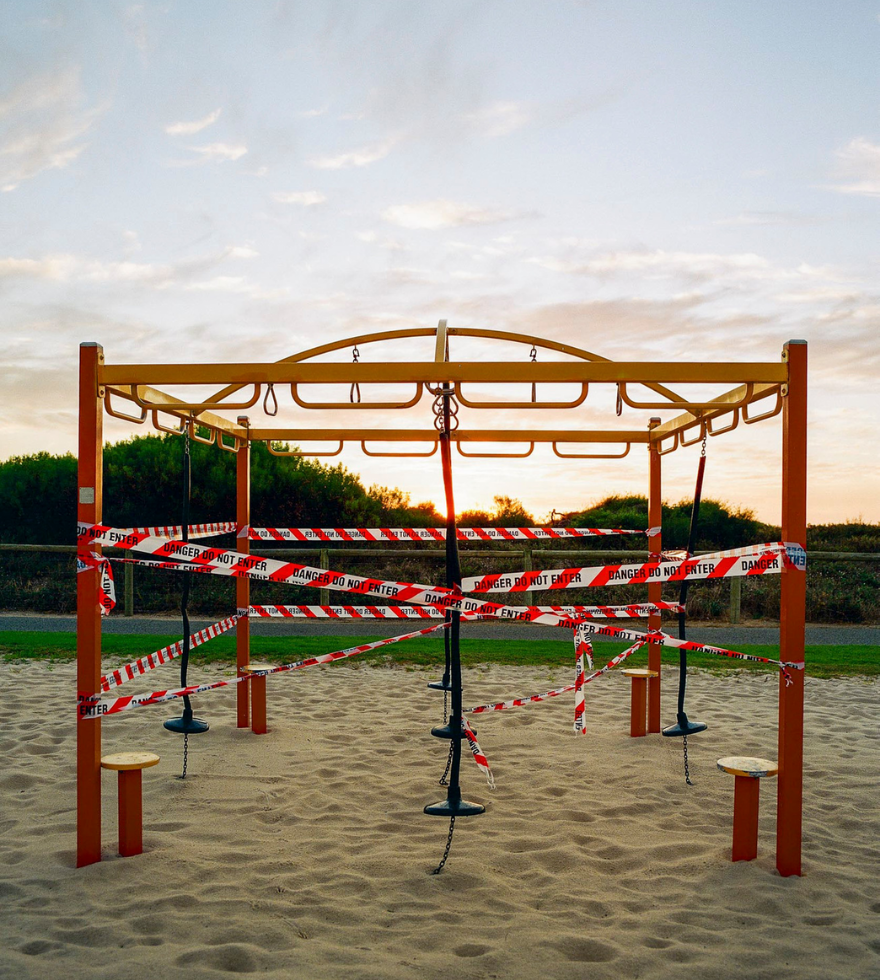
305, 852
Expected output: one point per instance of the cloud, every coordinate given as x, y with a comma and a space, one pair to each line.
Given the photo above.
361, 157
860, 160
190, 128
212, 153
443, 214
768, 218
42, 126
500, 118
305, 198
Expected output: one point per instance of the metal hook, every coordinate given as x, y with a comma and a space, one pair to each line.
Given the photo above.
354, 394
270, 390
533, 357
618, 408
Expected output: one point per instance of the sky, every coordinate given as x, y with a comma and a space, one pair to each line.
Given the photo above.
236, 181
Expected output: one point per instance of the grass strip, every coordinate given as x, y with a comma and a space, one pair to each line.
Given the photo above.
822, 661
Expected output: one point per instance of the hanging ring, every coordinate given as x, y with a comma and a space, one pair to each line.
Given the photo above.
270, 390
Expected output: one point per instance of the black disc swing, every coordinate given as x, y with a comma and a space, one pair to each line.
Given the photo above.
186, 725
453, 806
683, 725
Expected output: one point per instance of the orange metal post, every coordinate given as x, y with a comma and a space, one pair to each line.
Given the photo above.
637, 706
131, 826
792, 614
243, 585
746, 794
259, 724
88, 616
655, 591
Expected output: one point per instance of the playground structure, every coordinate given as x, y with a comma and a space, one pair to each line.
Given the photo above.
781, 384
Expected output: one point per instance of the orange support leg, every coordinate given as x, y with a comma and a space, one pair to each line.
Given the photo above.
131, 826
746, 793
789, 810
655, 591
243, 585
88, 616
258, 705
638, 702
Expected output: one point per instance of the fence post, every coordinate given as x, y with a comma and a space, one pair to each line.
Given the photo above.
325, 564
129, 590
527, 558
735, 600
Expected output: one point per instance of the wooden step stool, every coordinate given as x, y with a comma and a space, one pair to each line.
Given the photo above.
748, 772
638, 700
129, 766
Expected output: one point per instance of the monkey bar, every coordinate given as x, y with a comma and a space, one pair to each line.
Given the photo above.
761, 390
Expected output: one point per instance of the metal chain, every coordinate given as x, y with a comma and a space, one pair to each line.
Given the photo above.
687, 772
439, 867
445, 704
355, 388
185, 747
438, 408
533, 356
444, 779
618, 405
703, 445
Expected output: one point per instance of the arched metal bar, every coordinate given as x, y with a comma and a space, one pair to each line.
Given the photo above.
197, 406
777, 408
585, 390
404, 455
356, 405
528, 452
121, 415
562, 455
683, 404
300, 452
734, 422
408, 333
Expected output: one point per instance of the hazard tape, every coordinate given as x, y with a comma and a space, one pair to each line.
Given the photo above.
88, 561
90, 707
145, 664
536, 698
761, 560
583, 650
380, 535
176, 530
478, 754
633, 611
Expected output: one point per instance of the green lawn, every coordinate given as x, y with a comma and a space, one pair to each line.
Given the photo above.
822, 661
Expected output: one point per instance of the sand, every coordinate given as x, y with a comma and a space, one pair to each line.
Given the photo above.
305, 852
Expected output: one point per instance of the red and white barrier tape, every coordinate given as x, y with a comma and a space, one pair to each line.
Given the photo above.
176, 530
87, 561
479, 756
583, 649
633, 611
535, 698
345, 612
144, 664
764, 559
378, 535
89, 706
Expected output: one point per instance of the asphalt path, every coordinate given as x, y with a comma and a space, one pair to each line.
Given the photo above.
726, 636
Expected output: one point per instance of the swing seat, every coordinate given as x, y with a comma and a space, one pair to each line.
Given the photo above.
186, 726
684, 726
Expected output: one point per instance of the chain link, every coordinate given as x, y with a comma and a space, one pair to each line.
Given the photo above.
185, 748
354, 394
687, 771
703, 444
443, 860
444, 779
442, 395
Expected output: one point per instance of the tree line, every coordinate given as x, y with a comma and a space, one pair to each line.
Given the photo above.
143, 487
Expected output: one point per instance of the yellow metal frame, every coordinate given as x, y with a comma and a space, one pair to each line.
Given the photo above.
785, 382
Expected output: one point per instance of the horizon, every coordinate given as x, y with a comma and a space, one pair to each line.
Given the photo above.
651, 182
